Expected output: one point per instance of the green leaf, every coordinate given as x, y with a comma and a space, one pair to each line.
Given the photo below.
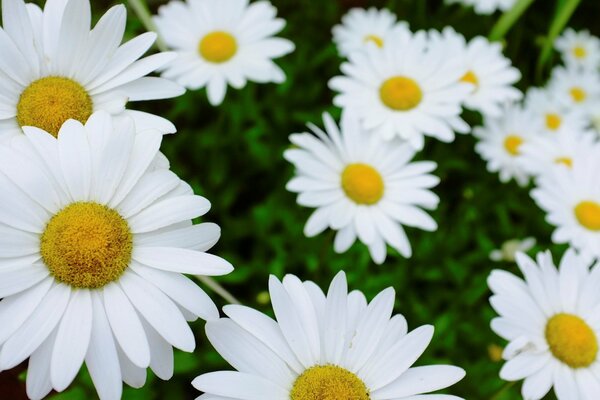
508, 19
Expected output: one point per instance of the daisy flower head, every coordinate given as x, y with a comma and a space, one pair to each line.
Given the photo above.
577, 90
222, 42
361, 186
551, 114
403, 90
95, 244
486, 7
332, 346
54, 68
550, 319
579, 49
360, 27
501, 140
510, 248
490, 74
571, 199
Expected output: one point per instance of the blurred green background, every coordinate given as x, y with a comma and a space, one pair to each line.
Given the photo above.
232, 154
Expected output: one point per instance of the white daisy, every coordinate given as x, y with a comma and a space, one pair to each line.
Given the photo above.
552, 323
577, 90
322, 347
489, 72
222, 42
360, 27
500, 141
54, 68
403, 90
486, 6
510, 248
551, 114
579, 49
361, 186
93, 244
571, 199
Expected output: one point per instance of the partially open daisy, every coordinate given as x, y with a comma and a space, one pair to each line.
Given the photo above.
360, 27
551, 114
551, 321
322, 347
404, 90
361, 186
54, 68
577, 90
222, 42
486, 6
571, 199
579, 49
490, 74
501, 140
94, 244
510, 248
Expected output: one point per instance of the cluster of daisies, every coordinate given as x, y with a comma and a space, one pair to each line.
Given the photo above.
97, 236
397, 87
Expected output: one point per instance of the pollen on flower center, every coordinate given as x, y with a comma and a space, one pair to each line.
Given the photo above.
588, 215
578, 94
579, 52
568, 161
401, 93
87, 245
512, 143
362, 184
48, 102
375, 39
571, 340
329, 382
218, 47
470, 77
553, 121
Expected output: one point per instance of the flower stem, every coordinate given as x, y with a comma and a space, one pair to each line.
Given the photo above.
141, 10
508, 19
502, 391
218, 289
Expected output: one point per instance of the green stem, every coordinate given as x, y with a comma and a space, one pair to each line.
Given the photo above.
218, 289
502, 390
508, 19
141, 10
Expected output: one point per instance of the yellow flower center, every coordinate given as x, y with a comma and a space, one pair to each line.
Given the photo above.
571, 340
578, 94
87, 245
568, 161
400, 93
553, 121
48, 102
579, 52
363, 184
329, 382
588, 215
470, 77
218, 47
375, 39
512, 143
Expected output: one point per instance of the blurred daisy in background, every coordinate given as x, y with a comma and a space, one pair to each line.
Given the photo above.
334, 346
486, 6
551, 115
54, 68
577, 90
360, 27
222, 42
571, 199
94, 244
404, 91
501, 140
551, 321
488, 71
361, 186
579, 49
510, 248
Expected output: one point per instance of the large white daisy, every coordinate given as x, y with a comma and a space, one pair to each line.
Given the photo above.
403, 90
361, 186
322, 347
53, 68
551, 114
579, 49
222, 42
577, 90
571, 199
94, 242
552, 323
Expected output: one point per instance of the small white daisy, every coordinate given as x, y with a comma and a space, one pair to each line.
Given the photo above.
322, 347
486, 7
500, 141
360, 27
551, 114
552, 323
403, 90
222, 42
489, 72
510, 248
579, 49
571, 199
54, 68
361, 186
94, 242
577, 90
